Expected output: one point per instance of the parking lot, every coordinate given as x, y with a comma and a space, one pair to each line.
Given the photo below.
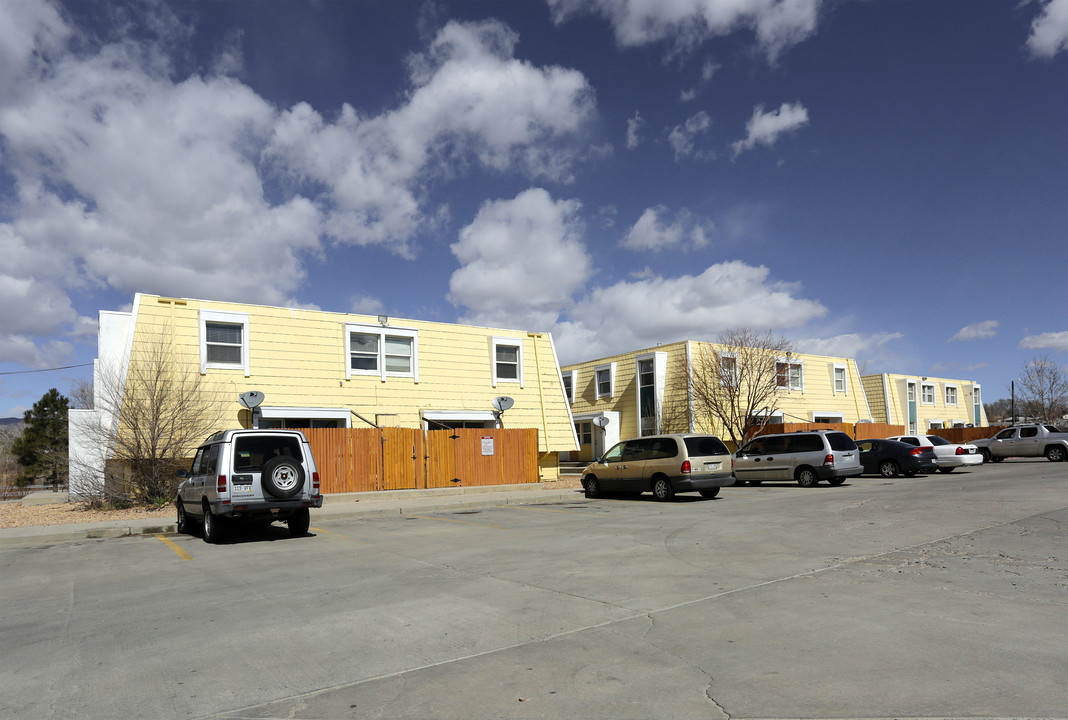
936, 596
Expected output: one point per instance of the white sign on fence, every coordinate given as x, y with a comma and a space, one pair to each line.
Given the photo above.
487, 444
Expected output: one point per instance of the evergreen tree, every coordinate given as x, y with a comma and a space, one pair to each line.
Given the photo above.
42, 448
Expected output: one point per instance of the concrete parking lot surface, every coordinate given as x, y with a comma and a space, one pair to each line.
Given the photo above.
938, 596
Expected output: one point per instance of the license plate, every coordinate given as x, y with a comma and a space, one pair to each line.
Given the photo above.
712, 466
242, 488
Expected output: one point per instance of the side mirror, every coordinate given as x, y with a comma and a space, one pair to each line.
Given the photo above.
182, 473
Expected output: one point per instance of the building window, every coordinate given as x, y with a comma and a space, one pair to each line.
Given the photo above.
605, 377
569, 385
951, 395
382, 351
788, 375
223, 340
507, 360
927, 394
839, 379
584, 431
728, 370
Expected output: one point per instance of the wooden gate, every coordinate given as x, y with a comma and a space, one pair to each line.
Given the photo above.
367, 459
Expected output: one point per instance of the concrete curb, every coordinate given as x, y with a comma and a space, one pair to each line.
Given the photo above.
362, 505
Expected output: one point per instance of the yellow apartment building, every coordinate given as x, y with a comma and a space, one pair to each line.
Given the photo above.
643, 392
328, 369
922, 403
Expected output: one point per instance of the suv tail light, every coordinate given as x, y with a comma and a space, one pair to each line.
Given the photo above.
685, 469
828, 461
220, 484
315, 483
916, 451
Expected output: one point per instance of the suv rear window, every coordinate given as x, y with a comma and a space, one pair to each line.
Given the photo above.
702, 446
251, 452
841, 441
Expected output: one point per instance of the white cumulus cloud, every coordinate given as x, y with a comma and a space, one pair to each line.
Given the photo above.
1049, 31
977, 331
1049, 340
655, 231
765, 128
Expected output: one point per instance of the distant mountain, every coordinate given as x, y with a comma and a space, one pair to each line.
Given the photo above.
9, 421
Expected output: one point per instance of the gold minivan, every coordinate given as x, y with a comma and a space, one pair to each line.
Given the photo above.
663, 465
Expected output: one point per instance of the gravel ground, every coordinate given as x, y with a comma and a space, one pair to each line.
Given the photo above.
13, 514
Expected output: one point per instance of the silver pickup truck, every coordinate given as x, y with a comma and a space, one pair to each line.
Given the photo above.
1025, 441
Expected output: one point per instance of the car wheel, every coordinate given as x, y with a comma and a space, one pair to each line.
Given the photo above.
1055, 453
807, 477
592, 487
183, 523
662, 489
282, 477
986, 455
710, 492
945, 470
888, 469
299, 522
213, 526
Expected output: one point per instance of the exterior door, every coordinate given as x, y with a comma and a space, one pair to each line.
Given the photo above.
749, 461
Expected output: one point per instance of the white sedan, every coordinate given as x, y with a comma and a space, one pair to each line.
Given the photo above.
950, 455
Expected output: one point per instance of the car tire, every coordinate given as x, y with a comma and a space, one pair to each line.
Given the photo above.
710, 492
592, 487
213, 526
184, 524
299, 522
662, 489
946, 470
1055, 453
282, 477
889, 469
986, 455
806, 477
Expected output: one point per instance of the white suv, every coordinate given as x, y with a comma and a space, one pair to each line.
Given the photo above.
249, 475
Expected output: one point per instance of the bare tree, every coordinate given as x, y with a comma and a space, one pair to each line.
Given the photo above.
734, 383
1043, 390
150, 419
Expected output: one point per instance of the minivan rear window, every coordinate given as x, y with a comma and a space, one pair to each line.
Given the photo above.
251, 452
841, 441
702, 446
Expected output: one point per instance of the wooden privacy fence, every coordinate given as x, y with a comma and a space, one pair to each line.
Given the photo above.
857, 431
966, 435
366, 459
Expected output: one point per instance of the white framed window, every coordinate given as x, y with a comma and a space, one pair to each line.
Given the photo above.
381, 352
224, 341
728, 370
839, 379
951, 395
830, 417
584, 432
927, 394
605, 379
568, 377
789, 375
507, 360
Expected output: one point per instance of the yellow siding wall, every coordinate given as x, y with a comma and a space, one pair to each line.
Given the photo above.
298, 359
816, 397
893, 402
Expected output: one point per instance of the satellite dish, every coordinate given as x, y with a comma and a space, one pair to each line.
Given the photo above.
601, 421
250, 399
500, 404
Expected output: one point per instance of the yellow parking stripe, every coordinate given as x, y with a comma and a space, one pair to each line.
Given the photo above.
320, 530
181, 553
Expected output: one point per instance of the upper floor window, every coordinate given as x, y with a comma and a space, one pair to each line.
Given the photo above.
507, 360
951, 394
605, 378
788, 375
728, 370
839, 379
223, 340
927, 394
382, 351
569, 385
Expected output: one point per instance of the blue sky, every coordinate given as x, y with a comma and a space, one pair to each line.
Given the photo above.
881, 180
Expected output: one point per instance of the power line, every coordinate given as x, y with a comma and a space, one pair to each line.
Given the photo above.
25, 372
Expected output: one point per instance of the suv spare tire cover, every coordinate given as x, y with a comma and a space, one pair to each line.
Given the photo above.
282, 476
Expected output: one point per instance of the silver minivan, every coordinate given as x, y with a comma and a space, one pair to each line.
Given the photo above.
256, 475
663, 465
805, 457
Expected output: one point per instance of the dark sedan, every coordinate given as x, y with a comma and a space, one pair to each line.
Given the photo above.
890, 457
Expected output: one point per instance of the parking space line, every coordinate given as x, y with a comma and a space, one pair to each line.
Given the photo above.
465, 522
544, 509
173, 546
327, 532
